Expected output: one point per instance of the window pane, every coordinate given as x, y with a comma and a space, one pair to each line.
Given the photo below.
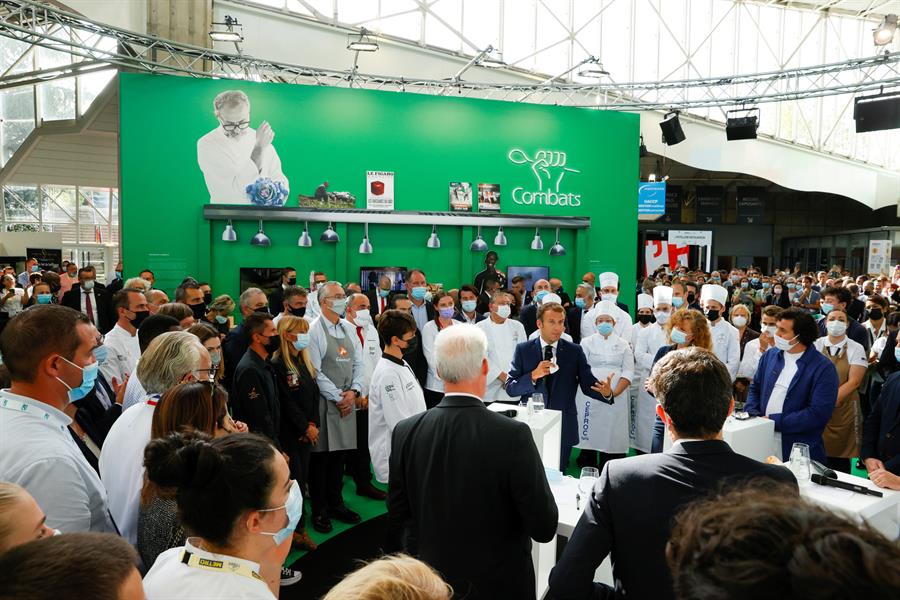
91, 86
59, 204
14, 133
58, 100
18, 103
21, 203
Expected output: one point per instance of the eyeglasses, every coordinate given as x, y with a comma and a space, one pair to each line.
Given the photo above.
233, 127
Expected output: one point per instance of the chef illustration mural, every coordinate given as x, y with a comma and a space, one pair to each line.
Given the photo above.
239, 163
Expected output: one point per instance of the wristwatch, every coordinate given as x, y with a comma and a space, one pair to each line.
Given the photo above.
357, 393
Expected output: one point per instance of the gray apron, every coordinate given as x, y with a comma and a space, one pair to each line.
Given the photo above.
337, 433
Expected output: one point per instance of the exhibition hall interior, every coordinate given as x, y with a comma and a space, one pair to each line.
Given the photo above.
449, 299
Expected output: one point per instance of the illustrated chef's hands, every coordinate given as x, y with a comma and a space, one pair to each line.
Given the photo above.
264, 137
604, 387
542, 370
885, 479
345, 404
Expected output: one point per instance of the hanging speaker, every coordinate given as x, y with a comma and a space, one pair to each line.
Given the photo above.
876, 113
671, 129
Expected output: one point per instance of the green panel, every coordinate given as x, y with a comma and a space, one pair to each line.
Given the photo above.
324, 133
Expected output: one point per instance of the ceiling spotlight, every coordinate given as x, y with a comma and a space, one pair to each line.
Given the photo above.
365, 247
557, 249
537, 243
642, 151
261, 239
229, 235
434, 241
884, 34
305, 241
671, 129
741, 127
592, 69
228, 31
491, 58
500, 238
362, 42
330, 235
478, 244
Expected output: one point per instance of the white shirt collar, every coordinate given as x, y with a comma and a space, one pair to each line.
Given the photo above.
545, 344
463, 394
63, 420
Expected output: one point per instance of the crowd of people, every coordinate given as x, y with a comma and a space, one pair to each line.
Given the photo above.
177, 441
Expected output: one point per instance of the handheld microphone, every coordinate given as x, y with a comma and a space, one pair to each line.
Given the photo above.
829, 473
859, 489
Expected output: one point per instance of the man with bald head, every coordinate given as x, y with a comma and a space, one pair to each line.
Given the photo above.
380, 296
528, 316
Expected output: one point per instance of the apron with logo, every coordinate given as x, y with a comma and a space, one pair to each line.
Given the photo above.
337, 433
841, 435
601, 426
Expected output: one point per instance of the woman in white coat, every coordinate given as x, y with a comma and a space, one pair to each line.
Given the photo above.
603, 428
648, 342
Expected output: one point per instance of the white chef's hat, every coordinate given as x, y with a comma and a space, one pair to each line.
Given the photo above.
646, 300
711, 291
662, 294
551, 297
606, 308
609, 279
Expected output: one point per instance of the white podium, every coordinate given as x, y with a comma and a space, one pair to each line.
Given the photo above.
752, 437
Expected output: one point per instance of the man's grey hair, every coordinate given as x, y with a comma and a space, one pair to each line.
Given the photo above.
591, 291
168, 358
459, 352
230, 98
247, 294
322, 294
138, 284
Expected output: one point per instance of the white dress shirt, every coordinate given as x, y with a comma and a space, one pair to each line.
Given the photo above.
502, 341
13, 306
171, 578
122, 465
429, 334
124, 352
228, 168
856, 354
537, 332
749, 363
395, 395
727, 345
318, 346
779, 392
420, 314
84, 294
38, 453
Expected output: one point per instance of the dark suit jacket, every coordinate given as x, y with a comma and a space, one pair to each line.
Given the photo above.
299, 403
254, 397
458, 316
92, 414
114, 286
528, 318
105, 320
474, 525
573, 323
375, 306
558, 389
855, 331
623, 306
276, 300
808, 405
857, 310
630, 512
233, 348
881, 430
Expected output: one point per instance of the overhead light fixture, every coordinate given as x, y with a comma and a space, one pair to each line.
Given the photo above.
478, 244
651, 177
261, 239
877, 113
537, 243
228, 31
491, 58
361, 42
592, 69
671, 129
229, 235
557, 249
365, 247
434, 241
305, 241
330, 235
884, 33
642, 151
741, 127
500, 238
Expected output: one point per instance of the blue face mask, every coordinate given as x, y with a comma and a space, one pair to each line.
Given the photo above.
827, 308
302, 341
221, 320
118, 274
766, 285
294, 508
339, 305
383, 293
678, 336
605, 328
579, 302
101, 353
897, 353
419, 292
44, 298
540, 295
35, 268
469, 305
755, 280
677, 301
88, 377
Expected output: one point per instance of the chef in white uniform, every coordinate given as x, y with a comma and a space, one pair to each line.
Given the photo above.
725, 336
233, 156
643, 318
604, 427
609, 291
549, 299
503, 335
649, 341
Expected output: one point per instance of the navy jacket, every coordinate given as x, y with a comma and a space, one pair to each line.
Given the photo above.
881, 431
809, 402
559, 392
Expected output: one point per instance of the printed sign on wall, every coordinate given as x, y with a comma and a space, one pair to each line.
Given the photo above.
380, 190
652, 198
750, 205
879, 257
709, 204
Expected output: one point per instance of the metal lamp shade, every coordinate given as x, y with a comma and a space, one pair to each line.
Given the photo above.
330, 235
434, 241
557, 249
365, 247
229, 235
305, 241
537, 243
261, 239
478, 245
500, 238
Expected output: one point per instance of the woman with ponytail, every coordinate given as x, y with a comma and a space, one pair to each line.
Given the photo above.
236, 496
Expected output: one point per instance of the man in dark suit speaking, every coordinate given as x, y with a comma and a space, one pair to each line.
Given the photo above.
630, 511
555, 368
470, 506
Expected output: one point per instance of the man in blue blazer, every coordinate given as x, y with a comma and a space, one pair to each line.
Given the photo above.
555, 368
795, 385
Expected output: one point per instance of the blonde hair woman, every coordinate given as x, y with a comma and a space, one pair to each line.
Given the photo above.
399, 577
21, 519
299, 398
740, 317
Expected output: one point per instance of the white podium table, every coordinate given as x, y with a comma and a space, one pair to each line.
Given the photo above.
883, 514
753, 437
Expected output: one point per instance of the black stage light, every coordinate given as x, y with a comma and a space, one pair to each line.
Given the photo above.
878, 112
671, 129
741, 127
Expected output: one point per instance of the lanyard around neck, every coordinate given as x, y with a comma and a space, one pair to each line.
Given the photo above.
219, 566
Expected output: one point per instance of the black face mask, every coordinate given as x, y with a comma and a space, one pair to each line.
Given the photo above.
273, 344
199, 311
139, 317
207, 298
876, 314
645, 319
411, 345
292, 281
691, 297
297, 312
712, 315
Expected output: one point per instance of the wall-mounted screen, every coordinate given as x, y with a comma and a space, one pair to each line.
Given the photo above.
531, 274
369, 276
263, 278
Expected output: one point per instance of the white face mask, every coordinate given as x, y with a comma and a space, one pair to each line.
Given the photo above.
662, 317
363, 317
739, 321
503, 311
836, 328
771, 329
609, 297
783, 344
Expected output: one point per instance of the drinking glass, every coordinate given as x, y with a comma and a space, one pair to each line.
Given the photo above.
800, 464
537, 403
589, 475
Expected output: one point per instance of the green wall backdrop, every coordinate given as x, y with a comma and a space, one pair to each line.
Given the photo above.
324, 133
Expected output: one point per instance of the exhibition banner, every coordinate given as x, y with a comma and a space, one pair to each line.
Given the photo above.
673, 205
750, 205
879, 257
652, 198
709, 204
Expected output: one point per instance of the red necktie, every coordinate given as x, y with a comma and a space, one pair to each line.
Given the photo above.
381, 300
359, 333
89, 309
